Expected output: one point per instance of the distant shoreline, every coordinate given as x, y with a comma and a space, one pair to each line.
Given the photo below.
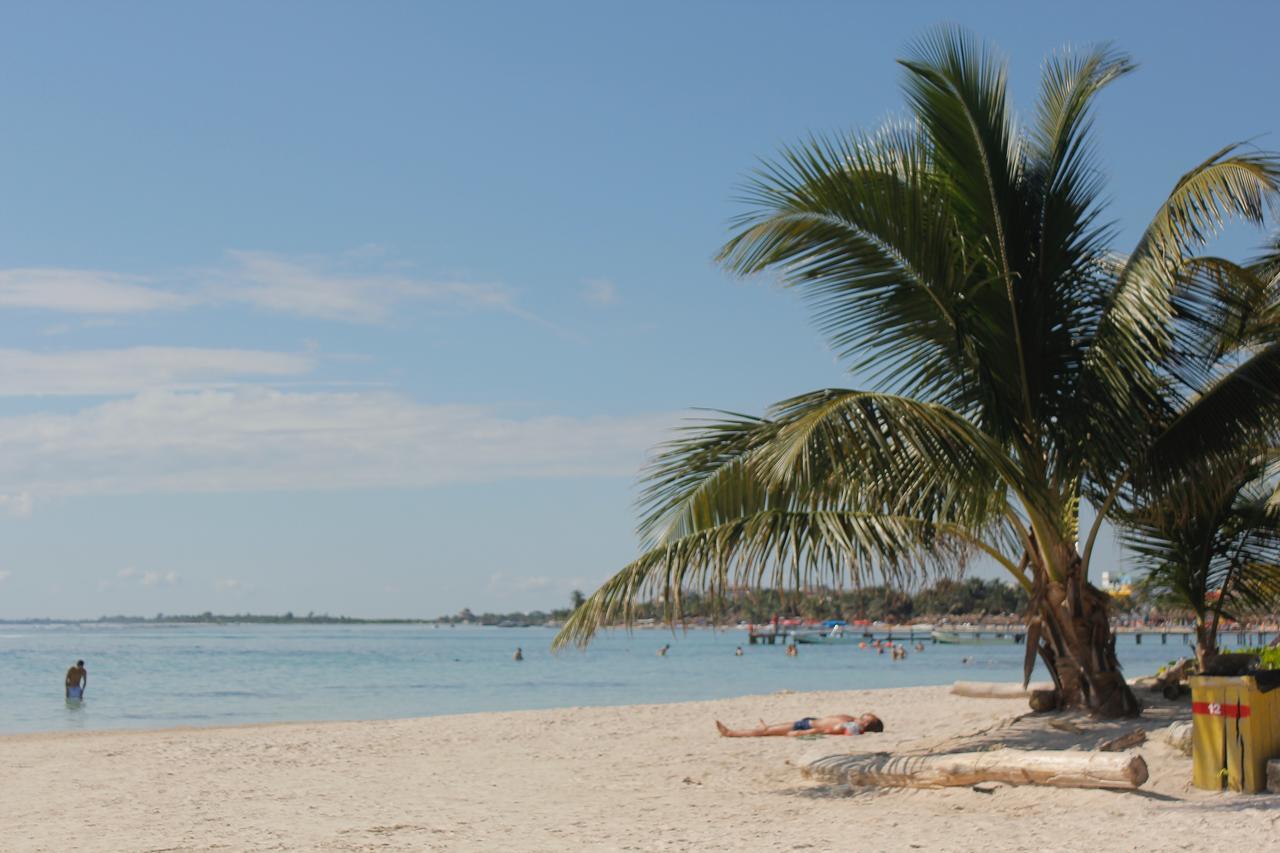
245, 619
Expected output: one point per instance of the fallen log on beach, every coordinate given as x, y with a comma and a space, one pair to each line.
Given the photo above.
1059, 768
997, 689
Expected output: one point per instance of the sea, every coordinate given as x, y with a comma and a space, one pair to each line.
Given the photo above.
165, 675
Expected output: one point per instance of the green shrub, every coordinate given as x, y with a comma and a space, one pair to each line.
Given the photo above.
1268, 656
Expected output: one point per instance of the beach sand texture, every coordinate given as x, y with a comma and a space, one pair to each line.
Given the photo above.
650, 777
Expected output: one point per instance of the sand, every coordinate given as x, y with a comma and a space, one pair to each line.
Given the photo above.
645, 777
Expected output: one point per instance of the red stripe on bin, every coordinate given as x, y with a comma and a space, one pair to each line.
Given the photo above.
1217, 709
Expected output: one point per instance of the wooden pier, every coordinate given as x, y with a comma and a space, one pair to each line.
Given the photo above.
770, 634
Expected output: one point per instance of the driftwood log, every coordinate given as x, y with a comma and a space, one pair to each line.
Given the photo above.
1173, 675
997, 689
1125, 741
1059, 768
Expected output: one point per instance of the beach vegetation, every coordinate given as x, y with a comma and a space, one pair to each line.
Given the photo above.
1016, 364
1207, 527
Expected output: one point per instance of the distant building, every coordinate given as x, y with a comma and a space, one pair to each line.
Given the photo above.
1117, 586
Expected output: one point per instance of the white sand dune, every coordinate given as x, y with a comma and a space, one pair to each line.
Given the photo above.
647, 777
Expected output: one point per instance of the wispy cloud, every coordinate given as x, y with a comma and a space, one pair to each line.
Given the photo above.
317, 287
79, 291
251, 438
227, 584
18, 505
127, 371
600, 291
5, 574
503, 583
354, 287
129, 574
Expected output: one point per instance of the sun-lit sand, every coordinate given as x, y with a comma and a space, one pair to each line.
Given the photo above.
646, 777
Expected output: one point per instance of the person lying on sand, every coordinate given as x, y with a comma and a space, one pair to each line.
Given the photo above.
835, 724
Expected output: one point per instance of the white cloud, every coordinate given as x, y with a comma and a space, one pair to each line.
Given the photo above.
502, 583
600, 291
313, 287
126, 371
83, 291
250, 439
160, 578
130, 574
226, 584
355, 287
18, 505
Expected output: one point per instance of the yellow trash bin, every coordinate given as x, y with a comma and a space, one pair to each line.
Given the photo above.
1235, 731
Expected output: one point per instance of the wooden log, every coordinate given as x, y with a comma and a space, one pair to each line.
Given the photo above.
1178, 736
1124, 741
1059, 768
1175, 674
997, 689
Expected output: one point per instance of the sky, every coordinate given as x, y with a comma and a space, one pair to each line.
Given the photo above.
379, 308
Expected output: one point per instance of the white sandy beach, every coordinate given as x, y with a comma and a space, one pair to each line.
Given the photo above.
645, 777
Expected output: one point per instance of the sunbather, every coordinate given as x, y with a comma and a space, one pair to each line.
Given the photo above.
835, 724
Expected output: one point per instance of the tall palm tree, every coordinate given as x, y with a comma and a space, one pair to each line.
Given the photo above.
958, 260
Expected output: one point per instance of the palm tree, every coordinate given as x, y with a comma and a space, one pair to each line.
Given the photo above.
1214, 548
1208, 528
960, 262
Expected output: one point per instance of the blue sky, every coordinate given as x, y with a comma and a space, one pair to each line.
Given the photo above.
377, 308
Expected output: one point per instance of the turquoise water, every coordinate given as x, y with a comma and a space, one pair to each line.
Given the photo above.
150, 676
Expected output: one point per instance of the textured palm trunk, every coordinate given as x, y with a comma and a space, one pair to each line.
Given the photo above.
1206, 637
1069, 628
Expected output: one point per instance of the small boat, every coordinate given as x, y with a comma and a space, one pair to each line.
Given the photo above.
978, 638
829, 638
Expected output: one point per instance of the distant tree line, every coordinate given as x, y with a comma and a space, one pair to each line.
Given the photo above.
286, 618
976, 597
972, 597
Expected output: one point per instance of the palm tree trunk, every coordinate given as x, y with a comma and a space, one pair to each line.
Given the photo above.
1206, 638
1074, 640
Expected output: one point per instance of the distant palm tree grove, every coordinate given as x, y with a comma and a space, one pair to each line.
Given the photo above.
1015, 364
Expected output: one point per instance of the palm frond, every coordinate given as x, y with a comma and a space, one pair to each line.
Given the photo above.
1233, 183
1240, 410
861, 227
785, 549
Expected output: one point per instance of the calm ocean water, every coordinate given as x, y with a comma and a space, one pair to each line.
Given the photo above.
149, 676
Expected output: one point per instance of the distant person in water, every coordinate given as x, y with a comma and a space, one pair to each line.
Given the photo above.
835, 724
737, 652
792, 651
662, 652
519, 655
77, 680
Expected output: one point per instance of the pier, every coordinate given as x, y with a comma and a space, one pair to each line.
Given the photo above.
1245, 637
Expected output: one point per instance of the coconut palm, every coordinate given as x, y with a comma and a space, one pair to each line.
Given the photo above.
959, 261
1208, 529
1213, 546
